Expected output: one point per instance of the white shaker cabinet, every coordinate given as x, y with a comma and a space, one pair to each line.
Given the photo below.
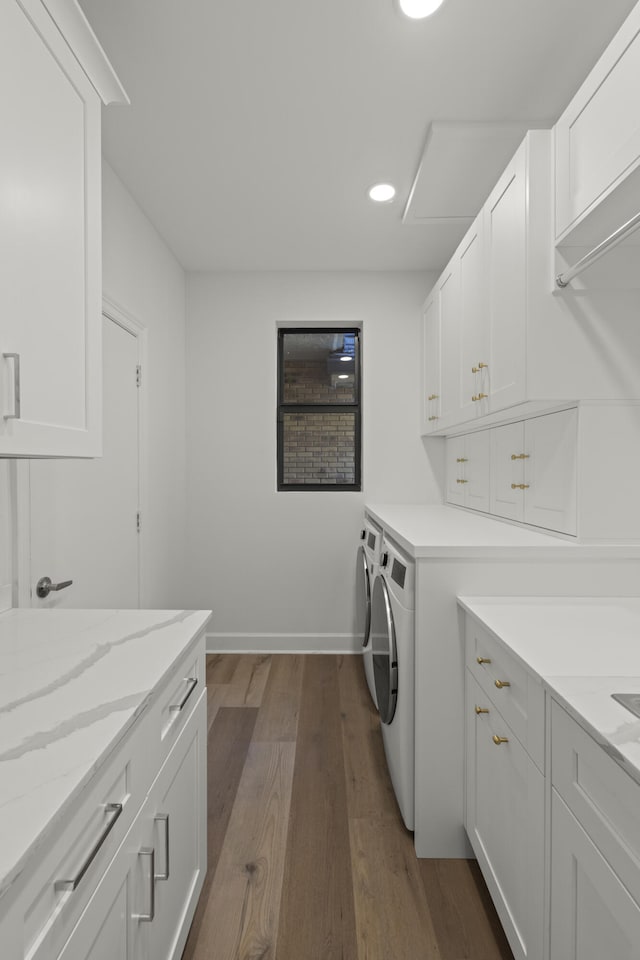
468, 470
449, 300
534, 470
430, 392
474, 331
597, 144
50, 229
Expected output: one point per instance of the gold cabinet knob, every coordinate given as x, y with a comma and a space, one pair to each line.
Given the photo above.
461, 459
482, 396
498, 740
483, 659
482, 366
502, 683
519, 456
433, 418
519, 486
462, 481
480, 710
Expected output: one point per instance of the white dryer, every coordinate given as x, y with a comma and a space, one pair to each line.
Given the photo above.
393, 644
367, 561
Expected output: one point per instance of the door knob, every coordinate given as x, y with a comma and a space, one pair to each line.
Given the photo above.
44, 586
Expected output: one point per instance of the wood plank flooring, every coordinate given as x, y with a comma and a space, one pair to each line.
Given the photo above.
308, 856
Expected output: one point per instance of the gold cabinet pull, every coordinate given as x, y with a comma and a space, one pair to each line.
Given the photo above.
461, 459
462, 481
483, 659
480, 710
502, 683
482, 366
433, 418
519, 456
475, 369
519, 486
498, 740
474, 398
432, 396
482, 396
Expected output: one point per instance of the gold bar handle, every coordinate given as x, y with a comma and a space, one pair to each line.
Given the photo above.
474, 398
461, 459
432, 396
480, 710
519, 456
482, 366
475, 369
462, 481
519, 486
483, 659
502, 683
433, 418
482, 396
498, 740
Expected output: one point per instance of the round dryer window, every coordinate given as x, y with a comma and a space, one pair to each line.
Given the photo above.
385, 657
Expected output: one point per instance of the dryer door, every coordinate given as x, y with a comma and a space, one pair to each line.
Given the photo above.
363, 597
385, 657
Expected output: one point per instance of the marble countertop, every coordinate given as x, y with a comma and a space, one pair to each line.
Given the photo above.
71, 684
439, 530
583, 650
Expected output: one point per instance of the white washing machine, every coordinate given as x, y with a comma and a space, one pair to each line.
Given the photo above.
393, 645
367, 561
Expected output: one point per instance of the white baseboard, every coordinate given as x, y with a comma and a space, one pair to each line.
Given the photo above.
283, 643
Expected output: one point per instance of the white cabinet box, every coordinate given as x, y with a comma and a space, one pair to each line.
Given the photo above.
468, 470
597, 144
50, 230
430, 385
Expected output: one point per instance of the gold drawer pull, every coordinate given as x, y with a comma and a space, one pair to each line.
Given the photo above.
480, 710
519, 486
433, 418
502, 683
483, 659
474, 398
482, 396
519, 456
461, 459
462, 481
475, 369
482, 366
498, 740
432, 396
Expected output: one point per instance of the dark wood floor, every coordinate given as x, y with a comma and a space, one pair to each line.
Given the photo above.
308, 856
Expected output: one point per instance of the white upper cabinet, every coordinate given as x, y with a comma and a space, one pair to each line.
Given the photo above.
449, 297
474, 329
430, 392
50, 230
597, 142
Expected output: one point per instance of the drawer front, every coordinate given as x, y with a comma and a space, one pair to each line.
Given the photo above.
501, 677
601, 795
177, 699
54, 897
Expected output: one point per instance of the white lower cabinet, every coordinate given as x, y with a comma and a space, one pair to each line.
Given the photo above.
504, 818
144, 903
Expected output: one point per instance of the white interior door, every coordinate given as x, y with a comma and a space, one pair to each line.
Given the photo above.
84, 512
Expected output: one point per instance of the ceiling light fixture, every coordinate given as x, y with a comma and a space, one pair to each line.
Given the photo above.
345, 359
417, 9
343, 376
382, 192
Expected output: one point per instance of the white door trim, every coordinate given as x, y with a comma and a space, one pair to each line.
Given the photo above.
20, 474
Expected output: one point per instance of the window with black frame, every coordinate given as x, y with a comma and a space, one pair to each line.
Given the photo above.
319, 409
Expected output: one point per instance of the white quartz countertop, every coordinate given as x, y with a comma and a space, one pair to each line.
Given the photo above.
71, 684
583, 649
438, 530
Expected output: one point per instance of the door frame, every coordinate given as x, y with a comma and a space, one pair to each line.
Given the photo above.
20, 476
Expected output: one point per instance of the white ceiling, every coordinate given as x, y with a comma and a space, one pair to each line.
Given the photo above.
256, 126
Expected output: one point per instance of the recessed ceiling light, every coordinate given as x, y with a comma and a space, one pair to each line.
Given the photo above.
417, 9
343, 376
382, 192
345, 359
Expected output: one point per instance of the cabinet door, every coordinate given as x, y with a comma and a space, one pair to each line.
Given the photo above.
598, 135
111, 927
477, 452
550, 471
455, 470
178, 805
507, 471
474, 334
593, 915
505, 232
430, 400
50, 273
449, 293
505, 822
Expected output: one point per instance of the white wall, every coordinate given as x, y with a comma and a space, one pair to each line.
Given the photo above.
141, 275
275, 566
